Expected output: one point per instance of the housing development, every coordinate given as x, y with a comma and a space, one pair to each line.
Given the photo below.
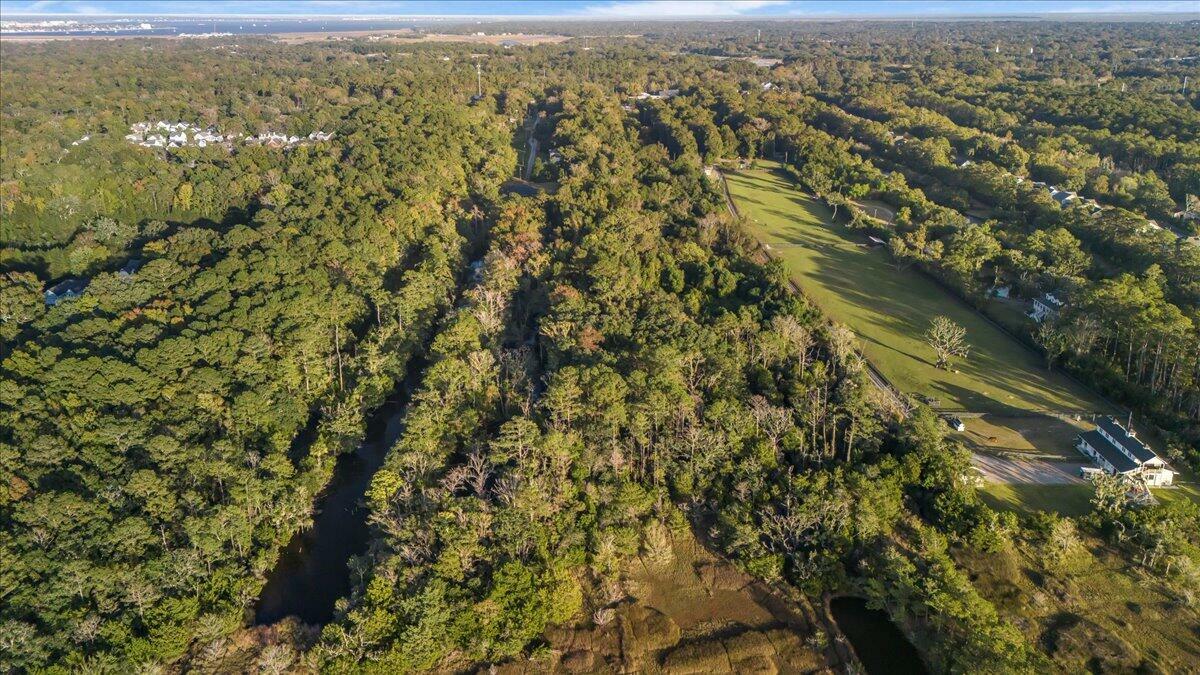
181, 135
600, 336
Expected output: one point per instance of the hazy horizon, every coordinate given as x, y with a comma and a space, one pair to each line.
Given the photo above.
598, 9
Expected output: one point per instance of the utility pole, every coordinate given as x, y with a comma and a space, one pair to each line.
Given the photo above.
759, 40
478, 80
1185, 81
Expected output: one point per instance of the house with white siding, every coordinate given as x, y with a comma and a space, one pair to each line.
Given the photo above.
1046, 306
1119, 452
68, 289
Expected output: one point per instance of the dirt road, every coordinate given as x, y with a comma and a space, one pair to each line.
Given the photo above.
1026, 471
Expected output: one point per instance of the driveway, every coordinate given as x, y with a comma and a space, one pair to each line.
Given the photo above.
1026, 471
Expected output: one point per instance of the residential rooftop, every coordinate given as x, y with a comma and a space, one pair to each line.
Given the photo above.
1126, 439
1111, 453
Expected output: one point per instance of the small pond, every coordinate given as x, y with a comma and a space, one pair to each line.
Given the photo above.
312, 572
879, 643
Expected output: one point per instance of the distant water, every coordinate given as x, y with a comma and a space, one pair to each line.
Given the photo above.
126, 26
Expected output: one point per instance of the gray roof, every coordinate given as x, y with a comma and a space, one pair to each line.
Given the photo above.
68, 286
1051, 300
1135, 447
1108, 451
1062, 197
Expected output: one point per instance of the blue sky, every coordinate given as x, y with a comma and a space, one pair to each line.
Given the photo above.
593, 8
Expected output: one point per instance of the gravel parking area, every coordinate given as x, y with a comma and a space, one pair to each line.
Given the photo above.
1026, 471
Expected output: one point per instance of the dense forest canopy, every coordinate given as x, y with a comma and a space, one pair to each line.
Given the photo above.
195, 335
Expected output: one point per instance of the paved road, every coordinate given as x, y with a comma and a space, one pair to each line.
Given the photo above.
1026, 471
533, 148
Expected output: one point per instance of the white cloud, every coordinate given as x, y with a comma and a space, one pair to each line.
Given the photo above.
678, 8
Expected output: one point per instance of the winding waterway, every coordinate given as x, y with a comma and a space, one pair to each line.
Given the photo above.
878, 642
312, 572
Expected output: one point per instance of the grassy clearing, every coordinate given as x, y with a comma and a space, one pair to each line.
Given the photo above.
891, 309
1066, 500
1043, 437
1012, 314
1096, 612
1185, 487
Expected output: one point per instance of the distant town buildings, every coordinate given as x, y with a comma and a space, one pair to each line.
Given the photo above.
660, 94
59, 25
171, 135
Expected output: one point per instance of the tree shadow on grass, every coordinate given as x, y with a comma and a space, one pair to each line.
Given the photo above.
883, 301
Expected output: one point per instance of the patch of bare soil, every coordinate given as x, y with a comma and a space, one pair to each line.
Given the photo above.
685, 611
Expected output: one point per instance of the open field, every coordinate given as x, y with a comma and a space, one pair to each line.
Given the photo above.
1068, 499
890, 309
1041, 436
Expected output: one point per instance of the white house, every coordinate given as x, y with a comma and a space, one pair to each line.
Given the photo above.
65, 290
661, 94
1046, 306
1063, 197
1119, 452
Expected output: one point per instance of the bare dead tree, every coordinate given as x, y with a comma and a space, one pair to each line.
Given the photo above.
479, 470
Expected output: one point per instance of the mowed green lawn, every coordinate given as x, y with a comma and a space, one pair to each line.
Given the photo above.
1065, 500
891, 309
